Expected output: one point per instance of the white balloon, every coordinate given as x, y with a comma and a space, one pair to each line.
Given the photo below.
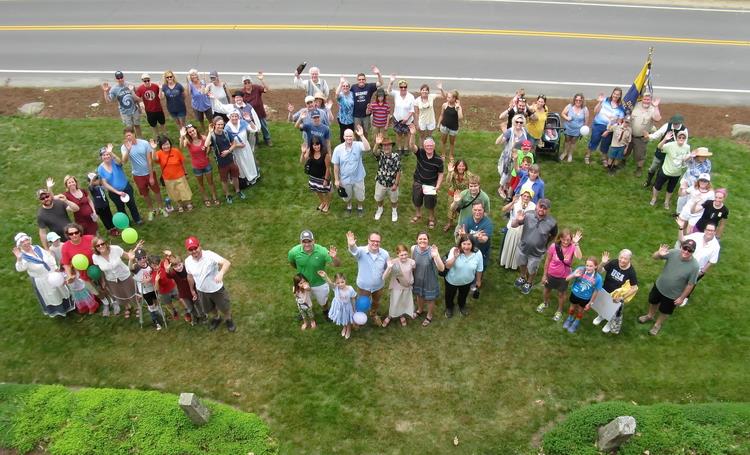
125, 198
360, 318
56, 279
585, 130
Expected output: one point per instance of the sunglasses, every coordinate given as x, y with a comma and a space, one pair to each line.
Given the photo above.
99, 245
195, 248
73, 232
44, 196
170, 77
146, 80
688, 249
519, 122
401, 86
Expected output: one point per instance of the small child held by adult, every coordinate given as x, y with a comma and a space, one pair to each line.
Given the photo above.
302, 293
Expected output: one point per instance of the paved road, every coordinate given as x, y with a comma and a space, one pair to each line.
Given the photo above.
549, 48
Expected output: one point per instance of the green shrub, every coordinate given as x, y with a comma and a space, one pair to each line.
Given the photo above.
112, 421
715, 428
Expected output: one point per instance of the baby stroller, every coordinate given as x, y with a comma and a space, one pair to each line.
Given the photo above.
549, 144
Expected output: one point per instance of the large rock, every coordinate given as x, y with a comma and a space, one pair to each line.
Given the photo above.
31, 109
196, 411
740, 131
616, 433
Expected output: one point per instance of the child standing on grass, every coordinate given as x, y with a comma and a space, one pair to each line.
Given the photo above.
402, 301
560, 256
586, 283
166, 287
380, 110
621, 134
301, 290
142, 272
175, 269
342, 307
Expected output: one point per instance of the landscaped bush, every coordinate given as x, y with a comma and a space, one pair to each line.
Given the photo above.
714, 428
112, 421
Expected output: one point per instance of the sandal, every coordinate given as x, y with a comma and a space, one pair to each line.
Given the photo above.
417, 314
427, 321
431, 224
325, 208
415, 219
403, 321
645, 318
587, 159
189, 207
386, 321
207, 203
216, 203
180, 209
127, 313
654, 330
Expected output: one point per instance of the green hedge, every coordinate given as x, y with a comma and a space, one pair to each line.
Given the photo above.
715, 428
113, 421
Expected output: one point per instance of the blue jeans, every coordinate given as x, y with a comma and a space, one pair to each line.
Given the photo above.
264, 130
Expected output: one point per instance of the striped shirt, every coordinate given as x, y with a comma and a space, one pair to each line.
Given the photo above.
379, 114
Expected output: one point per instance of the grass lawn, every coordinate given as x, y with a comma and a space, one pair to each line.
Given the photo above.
494, 379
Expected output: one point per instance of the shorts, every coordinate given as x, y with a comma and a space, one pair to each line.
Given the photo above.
531, 262
150, 298
381, 191
448, 131
166, 299
357, 189
155, 117
133, 119
616, 153
143, 185
204, 115
215, 301
178, 114
575, 300
230, 170
666, 305
556, 284
671, 182
637, 147
202, 171
418, 198
321, 293
400, 127
364, 121
427, 127
597, 140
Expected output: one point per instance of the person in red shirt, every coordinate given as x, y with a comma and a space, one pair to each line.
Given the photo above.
78, 243
175, 269
252, 94
150, 95
166, 288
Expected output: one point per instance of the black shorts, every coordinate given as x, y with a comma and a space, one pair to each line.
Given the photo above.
666, 305
557, 284
575, 300
150, 298
418, 198
155, 117
670, 181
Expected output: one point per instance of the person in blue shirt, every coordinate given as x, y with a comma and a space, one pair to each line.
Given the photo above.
371, 263
130, 112
586, 284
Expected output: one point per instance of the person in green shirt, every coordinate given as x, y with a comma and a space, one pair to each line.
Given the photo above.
462, 201
308, 258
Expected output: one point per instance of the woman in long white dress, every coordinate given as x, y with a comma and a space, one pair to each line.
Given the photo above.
243, 124
523, 202
39, 264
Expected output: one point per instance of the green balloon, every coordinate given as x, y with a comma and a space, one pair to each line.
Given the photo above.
80, 261
94, 272
120, 220
129, 235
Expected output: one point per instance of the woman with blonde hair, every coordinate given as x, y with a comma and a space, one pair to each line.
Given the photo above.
116, 274
174, 93
86, 214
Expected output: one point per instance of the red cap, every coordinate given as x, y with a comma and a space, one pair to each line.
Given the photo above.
192, 242
526, 143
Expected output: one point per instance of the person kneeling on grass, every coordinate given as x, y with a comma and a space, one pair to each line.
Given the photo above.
342, 307
586, 284
302, 293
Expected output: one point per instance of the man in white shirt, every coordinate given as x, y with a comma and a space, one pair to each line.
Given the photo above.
206, 271
707, 249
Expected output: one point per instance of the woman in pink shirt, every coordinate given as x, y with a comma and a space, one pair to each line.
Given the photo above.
557, 267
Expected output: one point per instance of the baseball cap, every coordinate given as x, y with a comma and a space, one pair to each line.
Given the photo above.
682, 133
119, 75
705, 176
52, 237
319, 95
247, 78
306, 235
145, 76
42, 191
192, 242
92, 176
688, 245
526, 143
309, 99
213, 74
315, 113
544, 202
140, 253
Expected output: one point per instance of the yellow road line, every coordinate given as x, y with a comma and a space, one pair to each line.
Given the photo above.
375, 28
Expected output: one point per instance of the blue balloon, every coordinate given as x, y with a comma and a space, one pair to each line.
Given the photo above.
363, 303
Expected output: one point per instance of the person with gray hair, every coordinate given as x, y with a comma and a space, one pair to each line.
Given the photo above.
428, 176
616, 272
314, 84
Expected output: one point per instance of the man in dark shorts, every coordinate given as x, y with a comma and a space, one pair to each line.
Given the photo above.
674, 284
363, 92
150, 94
539, 229
223, 147
206, 271
428, 176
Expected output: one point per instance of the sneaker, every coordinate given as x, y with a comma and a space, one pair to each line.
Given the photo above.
216, 322
105, 311
526, 288
378, 213
475, 294
570, 158
348, 211
360, 212
230, 326
151, 215
607, 327
574, 326
464, 311
229, 199
394, 215
567, 322
269, 143
175, 315
542, 306
449, 313
116, 308
557, 316
519, 282
598, 320
684, 302
241, 195
158, 326
164, 213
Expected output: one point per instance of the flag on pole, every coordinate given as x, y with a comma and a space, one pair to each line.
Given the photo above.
642, 81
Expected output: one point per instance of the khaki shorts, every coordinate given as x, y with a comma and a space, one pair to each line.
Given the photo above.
381, 191
133, 119
531, 262
356, 189
213, 301
179, 190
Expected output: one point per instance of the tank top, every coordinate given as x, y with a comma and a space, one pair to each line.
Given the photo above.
450, 118
317, 166
198, 157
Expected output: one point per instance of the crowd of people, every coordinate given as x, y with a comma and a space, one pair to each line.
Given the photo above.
368, 114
